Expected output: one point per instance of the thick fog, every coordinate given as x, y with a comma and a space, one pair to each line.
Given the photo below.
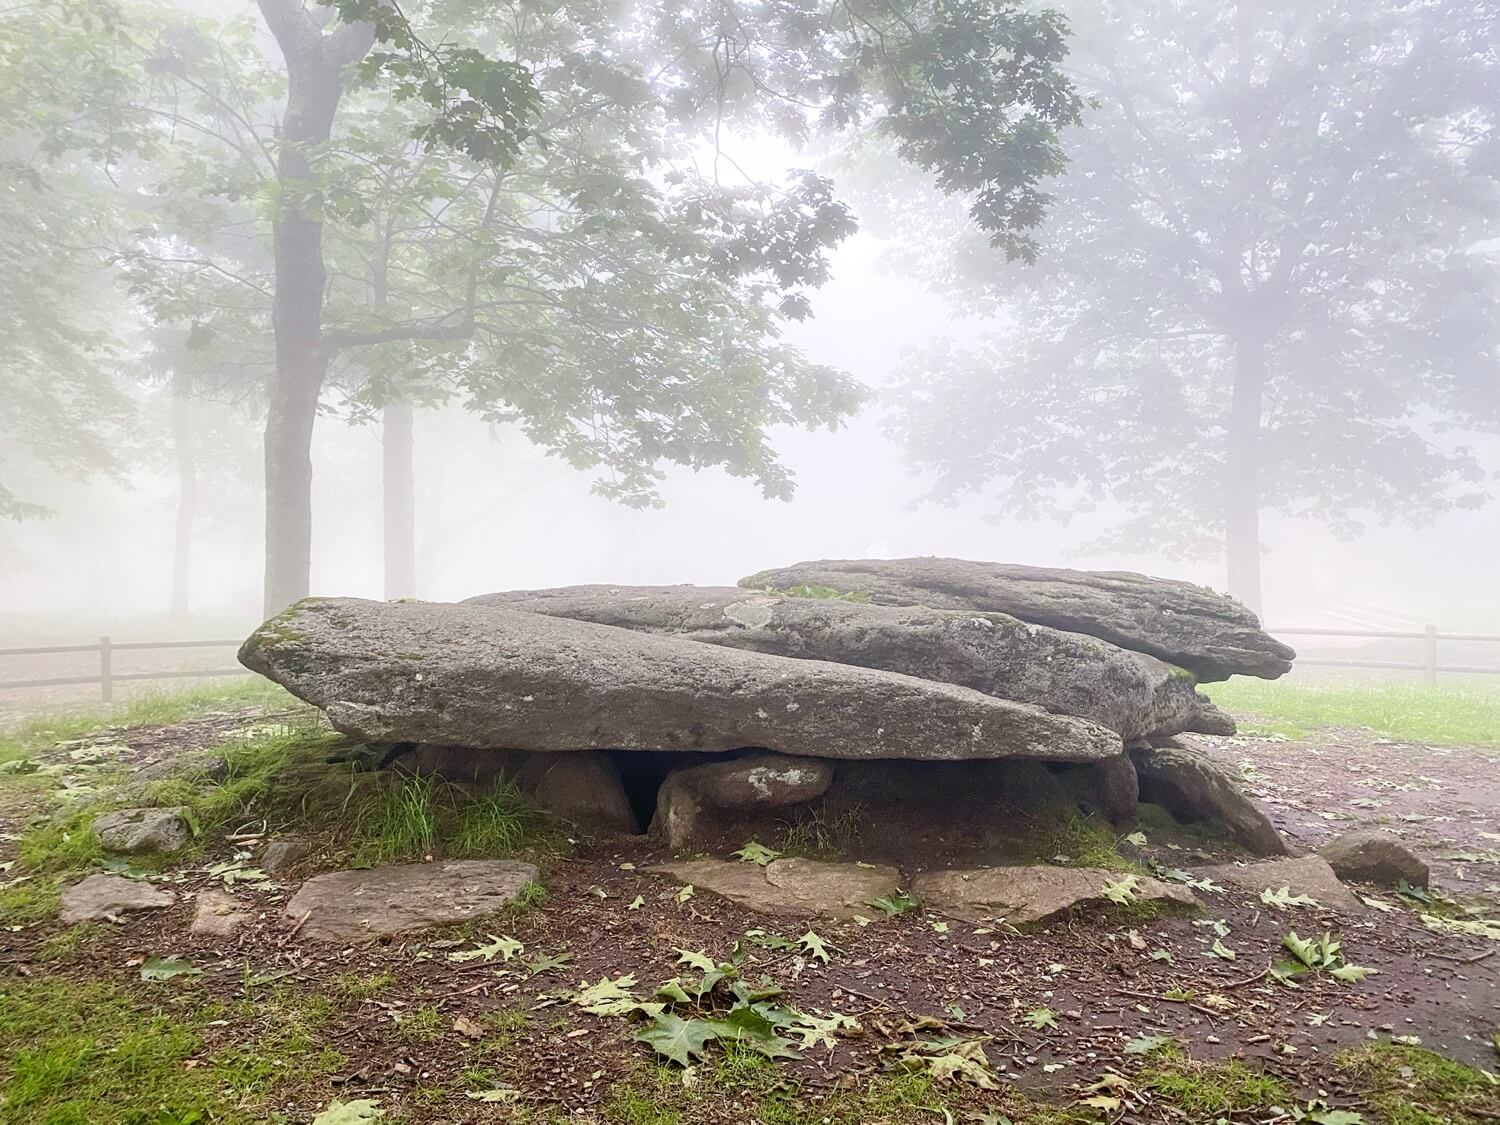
494, 510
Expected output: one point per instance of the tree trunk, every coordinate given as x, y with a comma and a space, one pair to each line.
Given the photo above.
400, 500
1242, 464
315, 64
187, 495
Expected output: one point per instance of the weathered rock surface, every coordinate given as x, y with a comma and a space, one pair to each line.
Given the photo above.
1109, 788
1210, 635
1305, 875
346, 906
582, 788
1023, 896
1068, 673
1193, 788
1368, 855
284, 853
218, 913
143, 830
793, 887
493, 677
105, 897
752, 782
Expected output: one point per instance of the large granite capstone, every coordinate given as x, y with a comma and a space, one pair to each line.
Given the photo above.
1069, 673
488, 676
1210, 635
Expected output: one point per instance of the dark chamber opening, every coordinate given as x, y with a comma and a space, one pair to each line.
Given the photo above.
643, 771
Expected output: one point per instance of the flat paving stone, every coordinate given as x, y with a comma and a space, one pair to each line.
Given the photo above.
1310, 875
345, 906
1027, 895
793, 887
106, 897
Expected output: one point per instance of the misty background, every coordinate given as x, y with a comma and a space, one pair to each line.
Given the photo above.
496, 511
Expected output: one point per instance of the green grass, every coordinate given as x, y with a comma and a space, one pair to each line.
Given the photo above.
406, 817
1412, 1086
422, 1025
151, 708
1449, 714
1082, 841
353, 986
266, 776
97, 1054
817, 834
1210, 1090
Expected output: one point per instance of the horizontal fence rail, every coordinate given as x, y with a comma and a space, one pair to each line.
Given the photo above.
1429, 635
107, 677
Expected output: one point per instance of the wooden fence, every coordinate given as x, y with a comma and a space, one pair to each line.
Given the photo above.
106, 677
1429, 635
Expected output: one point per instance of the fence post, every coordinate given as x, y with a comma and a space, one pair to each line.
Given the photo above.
106, 685
1429, 655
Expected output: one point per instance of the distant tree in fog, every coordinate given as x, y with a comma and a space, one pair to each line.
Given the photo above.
61, 409
1263, 284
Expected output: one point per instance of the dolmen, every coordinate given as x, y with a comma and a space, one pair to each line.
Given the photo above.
925, 694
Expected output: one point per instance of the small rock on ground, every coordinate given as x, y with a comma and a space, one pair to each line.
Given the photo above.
106, 897
347, 906
790, 886
1027, 895
283, 853
143, 830
1368, 855
1308, 875
218, 914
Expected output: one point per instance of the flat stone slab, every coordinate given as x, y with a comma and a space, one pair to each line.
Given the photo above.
219, 914
1022, 896
1308, 875
345, 906
1210, 635
491, 677
106, 897
791, 887
1067, 673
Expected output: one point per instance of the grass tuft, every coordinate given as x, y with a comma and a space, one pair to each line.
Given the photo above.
1412, 1086
408, 817
1207, 1091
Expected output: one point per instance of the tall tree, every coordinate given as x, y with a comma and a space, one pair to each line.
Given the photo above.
1263, 286
589, 284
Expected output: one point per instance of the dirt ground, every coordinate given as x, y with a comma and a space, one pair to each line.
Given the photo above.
1107, 982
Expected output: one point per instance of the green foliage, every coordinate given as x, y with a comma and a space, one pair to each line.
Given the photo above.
1325, 954
38, 733
1429, 713
422, 1025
